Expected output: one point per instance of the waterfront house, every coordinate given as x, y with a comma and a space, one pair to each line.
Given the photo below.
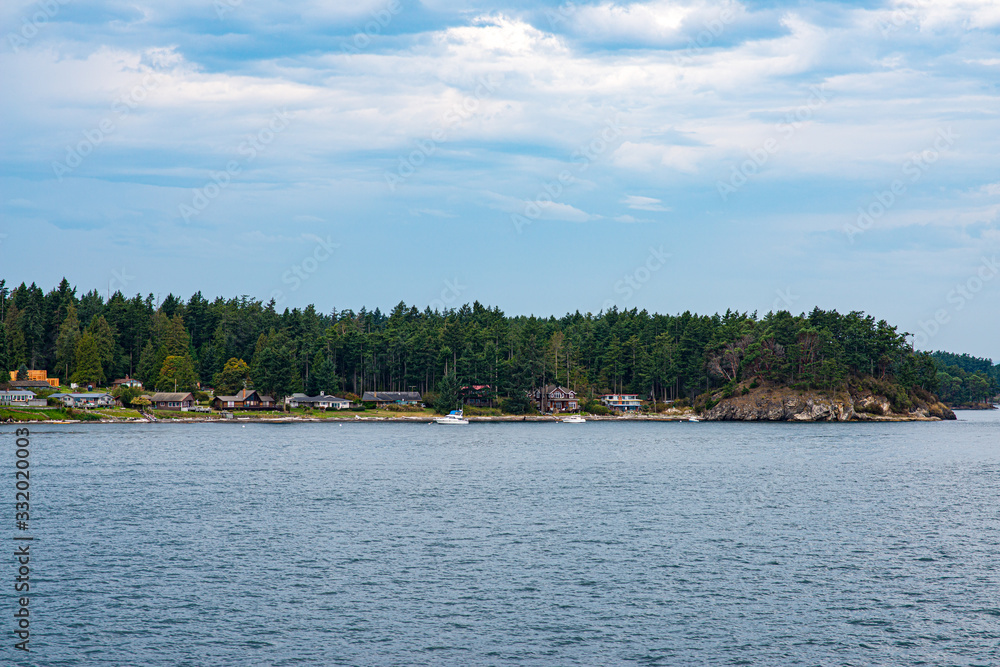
86, 400
127, 382
172, 400
246, 399
622, 402
322, 402
477, 395
20, 398
384, 398
556, 399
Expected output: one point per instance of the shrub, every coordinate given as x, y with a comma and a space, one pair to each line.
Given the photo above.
482, 412
872, 409
404, 408
517, 406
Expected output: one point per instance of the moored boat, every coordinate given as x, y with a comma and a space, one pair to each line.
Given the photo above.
453, 417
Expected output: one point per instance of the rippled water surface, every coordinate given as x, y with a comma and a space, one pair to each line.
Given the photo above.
525, 544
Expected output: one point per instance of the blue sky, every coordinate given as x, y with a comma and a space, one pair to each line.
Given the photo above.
541, 157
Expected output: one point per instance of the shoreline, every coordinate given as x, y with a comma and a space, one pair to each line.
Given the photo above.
512, 419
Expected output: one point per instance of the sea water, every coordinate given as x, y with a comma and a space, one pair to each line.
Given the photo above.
527, 544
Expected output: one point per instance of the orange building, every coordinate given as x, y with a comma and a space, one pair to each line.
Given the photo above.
38, 376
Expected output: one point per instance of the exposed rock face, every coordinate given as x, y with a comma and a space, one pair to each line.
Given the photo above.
790, 405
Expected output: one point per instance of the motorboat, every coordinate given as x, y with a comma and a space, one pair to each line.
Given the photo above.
692, 418
573, 419
453, 417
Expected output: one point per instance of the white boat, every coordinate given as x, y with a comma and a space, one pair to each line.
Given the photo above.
453, 417
573, 419
694, 419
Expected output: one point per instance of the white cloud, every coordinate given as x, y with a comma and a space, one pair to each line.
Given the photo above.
644, 203
689, 24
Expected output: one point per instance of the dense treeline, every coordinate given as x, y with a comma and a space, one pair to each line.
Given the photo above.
181, 343
964, 379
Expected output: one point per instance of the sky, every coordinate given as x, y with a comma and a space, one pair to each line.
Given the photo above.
541, 157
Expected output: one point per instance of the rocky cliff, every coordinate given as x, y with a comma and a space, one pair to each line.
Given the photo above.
784, 404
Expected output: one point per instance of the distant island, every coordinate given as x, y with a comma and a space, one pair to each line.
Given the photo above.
820, 365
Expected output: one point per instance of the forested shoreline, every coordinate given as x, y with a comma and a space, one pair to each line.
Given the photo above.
92, 340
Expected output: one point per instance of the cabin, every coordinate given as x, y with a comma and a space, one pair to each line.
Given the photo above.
477, 395
321, 402
86, 400
246, 399
557, 399
169, 400
384, 398
21, 398
127, 382
622, 402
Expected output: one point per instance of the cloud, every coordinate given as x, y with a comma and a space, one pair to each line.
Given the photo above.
695, 94
644, 203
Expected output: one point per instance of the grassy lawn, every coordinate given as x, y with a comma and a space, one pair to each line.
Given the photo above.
118, 413
54, 414
29, 415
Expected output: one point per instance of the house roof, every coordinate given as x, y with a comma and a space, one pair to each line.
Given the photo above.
391, 396
302, 398
171, 396
18, 392
92, 394
30, 383
551, 388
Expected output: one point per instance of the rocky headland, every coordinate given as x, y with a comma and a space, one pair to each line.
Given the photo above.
785, 404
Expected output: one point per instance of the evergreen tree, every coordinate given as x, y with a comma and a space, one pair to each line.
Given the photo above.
22, 373
69, 335
17, 348
4, 356
104, 338
449, 397
88, 361
322, 376
272, 369
176, 338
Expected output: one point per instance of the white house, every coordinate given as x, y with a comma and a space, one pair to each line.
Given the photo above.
322, 401
127, 382
21, 398
623, 402
89, 400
